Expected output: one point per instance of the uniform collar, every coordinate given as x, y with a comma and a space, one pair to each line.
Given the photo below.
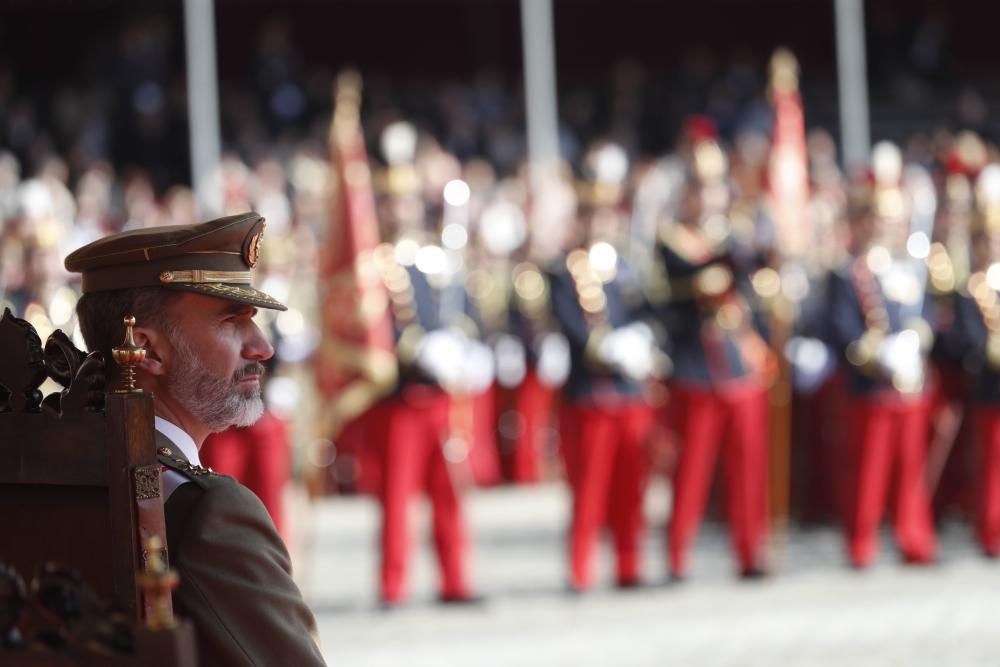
179, 438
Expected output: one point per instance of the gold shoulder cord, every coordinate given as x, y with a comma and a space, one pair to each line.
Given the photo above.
861, 353
401, 300
589, 288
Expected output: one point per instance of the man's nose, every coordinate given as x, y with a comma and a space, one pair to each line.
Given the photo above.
255, 346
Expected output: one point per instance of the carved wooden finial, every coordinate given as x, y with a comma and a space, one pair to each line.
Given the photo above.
128, 355
158, 583
22, 365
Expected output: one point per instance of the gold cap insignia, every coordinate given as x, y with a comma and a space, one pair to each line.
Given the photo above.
253, 249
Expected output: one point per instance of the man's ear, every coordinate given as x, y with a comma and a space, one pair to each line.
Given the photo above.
157, 349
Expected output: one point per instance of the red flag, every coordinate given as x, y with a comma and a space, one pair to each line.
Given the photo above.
789, 186
789, 170
356, 363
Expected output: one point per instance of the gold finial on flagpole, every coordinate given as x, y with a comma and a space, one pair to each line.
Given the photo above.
784, 71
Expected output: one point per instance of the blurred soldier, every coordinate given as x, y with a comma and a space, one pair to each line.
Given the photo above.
948, 457
878, 326
594, 300
818, 402
722, 366
547, 363
532, 357
448, 201
482, 244
978, 333
414, 426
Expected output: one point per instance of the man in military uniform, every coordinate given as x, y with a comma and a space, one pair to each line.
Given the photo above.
722, 365
596, 302
425, 435
424, 450
949, 455
189, 289
546, 358
977, 333
878, 325
511, 297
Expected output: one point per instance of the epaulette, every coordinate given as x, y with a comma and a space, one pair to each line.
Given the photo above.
169, 457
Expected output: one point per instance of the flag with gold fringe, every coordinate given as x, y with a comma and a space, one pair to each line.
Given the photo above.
356, 361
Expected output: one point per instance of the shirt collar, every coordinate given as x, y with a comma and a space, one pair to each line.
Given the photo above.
182, 440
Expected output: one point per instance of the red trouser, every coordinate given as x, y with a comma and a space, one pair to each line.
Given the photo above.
258, 456
988, 509
607, 455
412, 430
820, 436
357, 467
484, 454
534, 404
889, 436
736, 418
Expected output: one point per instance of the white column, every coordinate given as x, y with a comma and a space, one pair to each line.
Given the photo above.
540, 88
853, 79
203, 105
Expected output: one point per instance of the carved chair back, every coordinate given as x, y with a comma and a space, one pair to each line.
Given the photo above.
79, 479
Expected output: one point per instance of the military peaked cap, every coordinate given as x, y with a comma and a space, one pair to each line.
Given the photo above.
212, 258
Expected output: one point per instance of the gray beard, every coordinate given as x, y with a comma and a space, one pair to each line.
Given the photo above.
217, 402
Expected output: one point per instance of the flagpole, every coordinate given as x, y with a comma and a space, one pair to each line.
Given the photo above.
853, 81
203, 105
789, 190
540, 89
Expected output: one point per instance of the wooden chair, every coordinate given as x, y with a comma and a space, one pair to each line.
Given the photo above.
79, 480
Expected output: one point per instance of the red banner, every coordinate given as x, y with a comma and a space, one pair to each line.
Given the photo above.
356, 363
789, 168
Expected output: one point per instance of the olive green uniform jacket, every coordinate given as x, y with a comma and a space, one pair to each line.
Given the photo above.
235, 573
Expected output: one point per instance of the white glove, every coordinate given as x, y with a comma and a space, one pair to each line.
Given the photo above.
900, 358
553, 360
637, 362
477, 367
642, 330
629, 350
811, 360
511, 362
440, 354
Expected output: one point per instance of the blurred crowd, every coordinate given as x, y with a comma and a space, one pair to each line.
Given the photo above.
637, 313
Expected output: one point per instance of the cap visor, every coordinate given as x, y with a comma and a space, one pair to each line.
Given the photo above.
238, 293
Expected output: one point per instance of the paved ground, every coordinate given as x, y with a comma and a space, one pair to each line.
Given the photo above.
816, 612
